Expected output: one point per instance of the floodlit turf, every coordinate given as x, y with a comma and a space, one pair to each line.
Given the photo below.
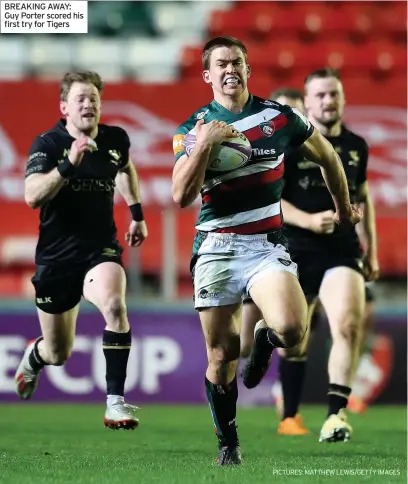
68, 444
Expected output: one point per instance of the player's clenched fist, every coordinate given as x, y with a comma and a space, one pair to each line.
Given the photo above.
353, 217
78, 148
137, 233
214, 132
322, 222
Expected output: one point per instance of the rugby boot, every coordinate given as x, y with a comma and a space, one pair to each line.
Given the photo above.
121, 415
229, 456
356, 404
259, 360
336, 428
292, 426
280, 406
26, 377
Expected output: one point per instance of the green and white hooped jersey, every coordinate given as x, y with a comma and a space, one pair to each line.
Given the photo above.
247, 200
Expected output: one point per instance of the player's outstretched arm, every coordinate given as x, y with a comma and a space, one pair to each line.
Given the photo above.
316, 148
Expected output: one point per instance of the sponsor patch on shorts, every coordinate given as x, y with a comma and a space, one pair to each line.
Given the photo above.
204, 294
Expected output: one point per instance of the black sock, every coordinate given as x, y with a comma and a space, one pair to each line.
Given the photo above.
223, 405
116, 348
292, 376
34, 358
338, 398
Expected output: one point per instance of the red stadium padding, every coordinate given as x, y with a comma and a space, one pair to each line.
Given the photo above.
391, 22
374, 58
282, 57
232, 21
340, 24
318, 21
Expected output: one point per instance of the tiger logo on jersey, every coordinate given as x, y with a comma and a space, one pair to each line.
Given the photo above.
267, 128
178, 143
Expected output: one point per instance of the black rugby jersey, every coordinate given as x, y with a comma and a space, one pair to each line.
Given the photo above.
79, 219
306, 189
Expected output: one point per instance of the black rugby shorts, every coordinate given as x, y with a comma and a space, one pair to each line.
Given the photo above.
58, 288
312, 268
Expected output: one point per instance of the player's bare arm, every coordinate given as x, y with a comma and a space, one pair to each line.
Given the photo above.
366, 230
320, 222
127, 182
294, 216
40, 188
189, 171
319, 150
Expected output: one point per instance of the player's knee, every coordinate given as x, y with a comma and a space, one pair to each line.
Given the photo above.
58, 357
296, 353
226, 351
292, 335
114, 311
350, 327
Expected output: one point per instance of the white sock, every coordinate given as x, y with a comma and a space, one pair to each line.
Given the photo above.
113, 399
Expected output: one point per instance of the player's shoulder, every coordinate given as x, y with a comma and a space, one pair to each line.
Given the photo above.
51, 134
262, 103
353, 137
112, 132
206, 113
46, 141
292, 114
54, 138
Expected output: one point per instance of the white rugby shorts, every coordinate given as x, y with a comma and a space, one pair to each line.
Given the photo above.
228, 265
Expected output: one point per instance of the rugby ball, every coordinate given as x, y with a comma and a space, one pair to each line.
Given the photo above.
229, 155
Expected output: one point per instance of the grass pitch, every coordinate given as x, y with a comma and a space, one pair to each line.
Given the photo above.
68, 444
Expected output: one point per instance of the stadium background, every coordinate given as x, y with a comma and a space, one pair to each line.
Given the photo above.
149, 54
